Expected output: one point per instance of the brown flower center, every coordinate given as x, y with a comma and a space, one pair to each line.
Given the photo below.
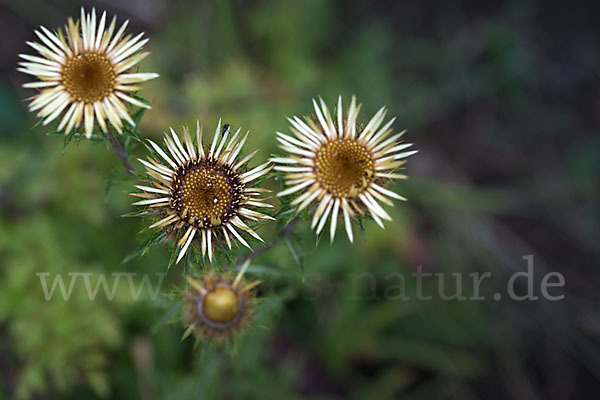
205, 194
344, 167
221, 305
89, 77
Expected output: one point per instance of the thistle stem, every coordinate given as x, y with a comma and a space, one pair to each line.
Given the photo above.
120, 152
282, 234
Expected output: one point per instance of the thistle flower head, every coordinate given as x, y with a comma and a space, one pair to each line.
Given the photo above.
340, 167
201, 193
217, 306
85, 72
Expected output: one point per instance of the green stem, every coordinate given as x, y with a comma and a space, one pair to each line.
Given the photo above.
282, 234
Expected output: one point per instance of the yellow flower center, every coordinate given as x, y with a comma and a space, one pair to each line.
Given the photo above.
206, 195
344, 167
89, 77
221, 305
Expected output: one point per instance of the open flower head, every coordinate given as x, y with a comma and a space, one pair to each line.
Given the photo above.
217, 306
339, 167
84, 73
203, 194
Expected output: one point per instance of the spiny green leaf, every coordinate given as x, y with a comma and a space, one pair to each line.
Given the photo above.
139, 213
157, 238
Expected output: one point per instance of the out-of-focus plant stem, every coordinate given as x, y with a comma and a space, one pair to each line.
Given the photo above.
280, 235
120, 151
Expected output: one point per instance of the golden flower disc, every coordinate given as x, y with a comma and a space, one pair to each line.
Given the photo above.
206, 194
89, 77
221, 305
344, 167
216, 306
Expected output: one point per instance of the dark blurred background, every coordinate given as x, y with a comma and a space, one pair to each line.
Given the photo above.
501, 98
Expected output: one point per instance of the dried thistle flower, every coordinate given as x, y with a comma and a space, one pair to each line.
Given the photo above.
341, 168
204, 194
86, 72
216, 307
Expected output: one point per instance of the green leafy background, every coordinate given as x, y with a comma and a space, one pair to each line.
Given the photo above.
503, 102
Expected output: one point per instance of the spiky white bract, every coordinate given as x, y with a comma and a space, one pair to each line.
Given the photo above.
84, 73
340, 168
204, 194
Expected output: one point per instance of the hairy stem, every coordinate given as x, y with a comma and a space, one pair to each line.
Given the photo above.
120, 151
